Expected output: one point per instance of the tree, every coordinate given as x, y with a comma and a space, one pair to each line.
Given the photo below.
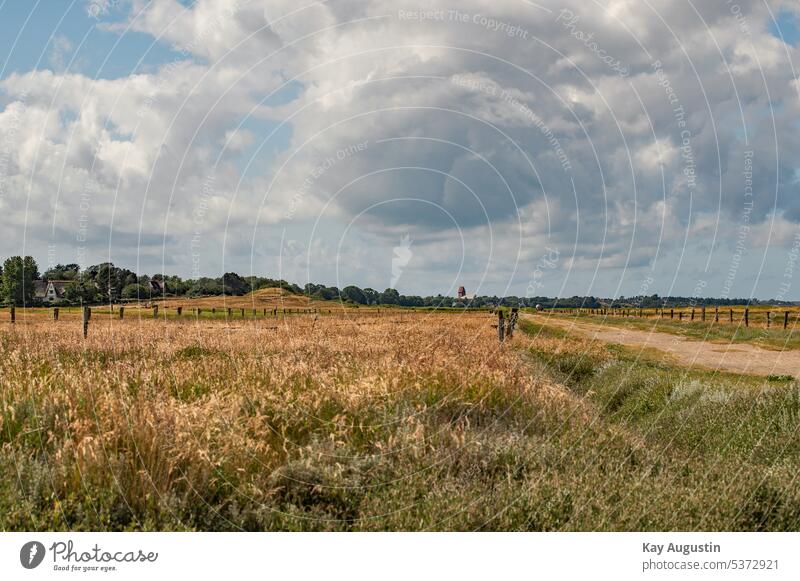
205, 286
372, 295
354, 294
81, 291
136, 291
233, 284
109, 280
390, 297
19, 281
62, 272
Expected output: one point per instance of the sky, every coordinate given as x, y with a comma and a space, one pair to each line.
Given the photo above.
529, 148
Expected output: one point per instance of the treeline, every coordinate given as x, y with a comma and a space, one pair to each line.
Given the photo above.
106, 283
657, 302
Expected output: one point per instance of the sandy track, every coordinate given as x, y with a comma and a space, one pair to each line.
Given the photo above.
735, 357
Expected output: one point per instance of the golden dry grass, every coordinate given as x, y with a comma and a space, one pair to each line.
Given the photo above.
156, 410
398, 421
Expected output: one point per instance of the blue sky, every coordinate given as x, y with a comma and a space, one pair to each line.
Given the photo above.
31, 30
786, 27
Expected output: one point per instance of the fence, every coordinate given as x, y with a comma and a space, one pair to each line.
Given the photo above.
196, 312
766, 318
505, 327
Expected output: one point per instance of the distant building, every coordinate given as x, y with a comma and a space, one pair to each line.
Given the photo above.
50, 291
462, 293
156, 286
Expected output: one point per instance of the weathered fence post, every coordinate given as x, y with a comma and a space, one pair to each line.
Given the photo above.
55, 313
155, 312
692, 313
747, 317
121, 312
180, 310
716, 314
731, 315
512, 321
501, 330
87, 314
703, 314
680, 316
672, 313
785, 319
767, 319
242, 313
13, 315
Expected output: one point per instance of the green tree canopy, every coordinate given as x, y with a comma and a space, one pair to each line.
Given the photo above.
19, 281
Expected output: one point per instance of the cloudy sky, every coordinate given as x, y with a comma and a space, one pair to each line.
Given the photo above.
598, 147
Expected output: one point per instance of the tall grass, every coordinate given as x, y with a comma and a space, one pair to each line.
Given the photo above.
419, 423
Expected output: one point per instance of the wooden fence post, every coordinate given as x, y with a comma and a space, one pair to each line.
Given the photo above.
716, 314
155, 312
672, 313
242, 312
767, 319
180, 310
13, 315
785, 319
747, 317
87, 314
501, 331
512, 321
55, 313
703, 314
692, 313
121, 312
731, 315
680, 316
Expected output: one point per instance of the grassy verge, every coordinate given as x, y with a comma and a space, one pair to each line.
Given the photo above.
729, 445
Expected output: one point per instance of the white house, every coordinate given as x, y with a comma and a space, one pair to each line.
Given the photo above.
51, 290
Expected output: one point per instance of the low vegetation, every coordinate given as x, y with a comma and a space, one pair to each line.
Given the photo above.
396, 421
723, 331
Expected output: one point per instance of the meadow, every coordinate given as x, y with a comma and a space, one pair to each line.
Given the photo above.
729, 328
389, 420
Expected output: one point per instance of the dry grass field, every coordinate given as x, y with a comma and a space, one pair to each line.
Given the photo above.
391, 421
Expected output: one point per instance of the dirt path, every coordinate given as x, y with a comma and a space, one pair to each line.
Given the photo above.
736, 357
